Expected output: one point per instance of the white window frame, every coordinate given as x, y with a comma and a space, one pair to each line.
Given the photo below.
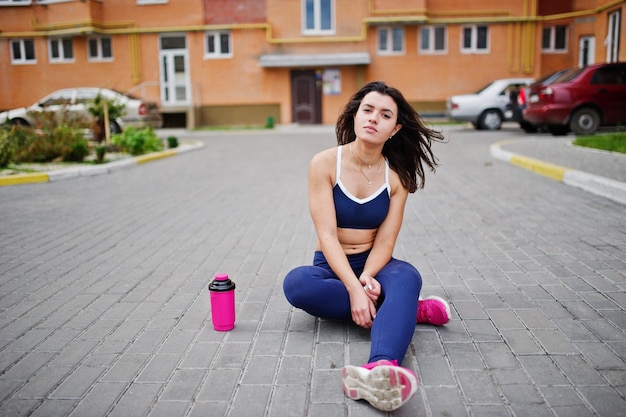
389, 47
613, 35
99, 57
431, 48
317, 13
218, 53
54, 1
23, 59
474, 48
15, 2
141, 2
552, 48
62, 53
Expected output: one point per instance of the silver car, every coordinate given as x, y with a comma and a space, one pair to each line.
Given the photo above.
138, 113
487, 108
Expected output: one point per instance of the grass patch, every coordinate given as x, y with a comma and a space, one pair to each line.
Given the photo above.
615, 142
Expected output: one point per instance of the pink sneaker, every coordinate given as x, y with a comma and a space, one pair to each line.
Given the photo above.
433, 310
383, 384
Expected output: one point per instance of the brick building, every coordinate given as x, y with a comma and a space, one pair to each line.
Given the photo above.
239, 62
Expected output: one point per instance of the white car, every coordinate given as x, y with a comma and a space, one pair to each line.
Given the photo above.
76, 101
487, 108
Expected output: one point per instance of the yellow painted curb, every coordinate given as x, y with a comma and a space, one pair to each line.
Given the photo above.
154, 156
23, 179
546, 169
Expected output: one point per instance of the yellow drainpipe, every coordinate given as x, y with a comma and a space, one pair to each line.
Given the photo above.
135, 55
528, 40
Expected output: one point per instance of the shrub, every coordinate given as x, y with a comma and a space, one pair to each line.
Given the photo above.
62, 141
7, 148
22, 137
137, 142
172, 142
100, 152
96, 109
72, 144
37, 147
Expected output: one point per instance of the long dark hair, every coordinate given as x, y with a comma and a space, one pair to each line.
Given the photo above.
409, 149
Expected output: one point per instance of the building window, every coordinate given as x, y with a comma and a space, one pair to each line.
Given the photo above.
475, 39
99, 48
23, 51
15, 2
218, 45
390, 40
61, 50
318, 16
432, 39
613, 36
554, 39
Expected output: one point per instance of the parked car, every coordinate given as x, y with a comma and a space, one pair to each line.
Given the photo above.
580, 101
486, 109
76, 101
519, 101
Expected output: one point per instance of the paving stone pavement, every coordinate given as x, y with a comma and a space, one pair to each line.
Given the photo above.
104, 308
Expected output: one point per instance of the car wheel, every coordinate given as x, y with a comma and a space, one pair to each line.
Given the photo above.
19, 122
558, 130
585, 121
490, 120
115, 128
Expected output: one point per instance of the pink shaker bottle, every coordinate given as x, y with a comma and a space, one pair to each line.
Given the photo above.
222, 291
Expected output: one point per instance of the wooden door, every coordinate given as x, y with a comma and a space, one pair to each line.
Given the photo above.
306, 97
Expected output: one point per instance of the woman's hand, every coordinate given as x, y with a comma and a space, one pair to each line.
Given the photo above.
371, 286
362, 307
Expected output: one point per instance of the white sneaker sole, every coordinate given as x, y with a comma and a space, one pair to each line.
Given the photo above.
385, 387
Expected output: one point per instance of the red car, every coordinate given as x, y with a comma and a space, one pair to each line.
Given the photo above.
581, 100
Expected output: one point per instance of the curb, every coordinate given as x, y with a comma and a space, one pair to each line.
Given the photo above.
93, 170
595, 184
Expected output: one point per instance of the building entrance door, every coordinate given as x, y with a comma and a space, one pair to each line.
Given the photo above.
586, 51
306, 96
173, 57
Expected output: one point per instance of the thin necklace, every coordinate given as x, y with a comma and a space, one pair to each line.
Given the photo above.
361, 163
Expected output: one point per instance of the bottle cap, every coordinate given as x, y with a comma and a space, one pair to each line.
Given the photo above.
221, 277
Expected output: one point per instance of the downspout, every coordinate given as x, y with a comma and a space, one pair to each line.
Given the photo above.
528, 40
135, 58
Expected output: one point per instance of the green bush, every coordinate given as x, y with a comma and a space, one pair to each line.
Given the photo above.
137, 141
62, 141
100, 152
73, 146
172, 142
7, 148
37, 148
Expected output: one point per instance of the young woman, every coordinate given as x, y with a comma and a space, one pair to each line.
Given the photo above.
357, 194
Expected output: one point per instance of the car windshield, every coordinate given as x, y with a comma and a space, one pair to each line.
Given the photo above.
551, 77
567, 76
484, 88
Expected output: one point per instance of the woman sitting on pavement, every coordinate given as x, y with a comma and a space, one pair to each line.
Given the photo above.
357, 194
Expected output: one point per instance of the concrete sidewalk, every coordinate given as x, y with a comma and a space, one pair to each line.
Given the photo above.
600, 172
104, 308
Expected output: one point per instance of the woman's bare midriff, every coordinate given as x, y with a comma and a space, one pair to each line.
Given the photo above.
355, 240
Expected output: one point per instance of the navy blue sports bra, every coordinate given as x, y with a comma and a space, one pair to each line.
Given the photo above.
360, 213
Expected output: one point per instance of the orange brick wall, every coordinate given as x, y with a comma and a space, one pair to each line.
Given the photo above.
515, 47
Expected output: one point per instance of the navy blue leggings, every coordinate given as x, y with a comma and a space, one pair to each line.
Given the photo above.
318, 291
